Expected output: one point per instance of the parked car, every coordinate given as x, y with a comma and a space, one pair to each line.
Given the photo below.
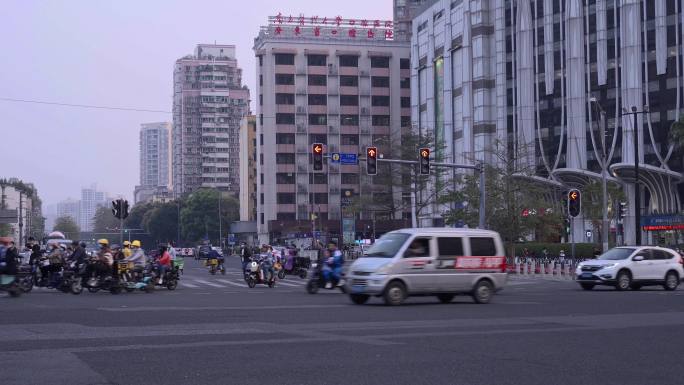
429, 261
631, 268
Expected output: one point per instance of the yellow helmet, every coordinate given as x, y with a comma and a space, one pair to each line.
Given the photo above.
126, 243
135, 243
103, 242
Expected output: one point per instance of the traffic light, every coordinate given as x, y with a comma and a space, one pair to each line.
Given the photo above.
424, 154
116, 208
317, 149
372, 160
124, 209
574, 202
622, 209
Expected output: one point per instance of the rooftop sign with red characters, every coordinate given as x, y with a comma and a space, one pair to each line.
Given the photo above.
289, 26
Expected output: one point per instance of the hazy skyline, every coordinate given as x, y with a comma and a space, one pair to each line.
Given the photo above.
116, 54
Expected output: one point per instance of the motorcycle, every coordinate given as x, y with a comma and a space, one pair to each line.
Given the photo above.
106, 281
317, 281
25, 277
70, 279
133, 278
169, 280
216, 264
254, 275
295, 266
10, 284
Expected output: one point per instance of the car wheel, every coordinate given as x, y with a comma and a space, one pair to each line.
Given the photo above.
483, 291
624, 281
395, 293
359, 299
445, 298
671, 281
587, 286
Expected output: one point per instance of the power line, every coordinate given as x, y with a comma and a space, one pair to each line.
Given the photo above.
81, 105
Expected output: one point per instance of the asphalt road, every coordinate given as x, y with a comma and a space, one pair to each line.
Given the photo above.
215, 330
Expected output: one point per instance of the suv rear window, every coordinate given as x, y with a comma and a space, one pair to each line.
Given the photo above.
661, 254
482, 247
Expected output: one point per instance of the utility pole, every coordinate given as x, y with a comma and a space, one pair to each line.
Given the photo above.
605, 225
21, 218
220, 240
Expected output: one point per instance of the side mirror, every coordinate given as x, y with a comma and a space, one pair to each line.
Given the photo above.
638, 258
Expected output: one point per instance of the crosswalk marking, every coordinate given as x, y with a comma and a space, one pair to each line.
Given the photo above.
232, 283
189, 285
208, 283
287, 284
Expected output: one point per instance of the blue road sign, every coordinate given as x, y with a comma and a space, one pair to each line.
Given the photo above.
348, 158
335, 157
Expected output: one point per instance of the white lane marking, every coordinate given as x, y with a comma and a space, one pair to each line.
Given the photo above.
232, 283
286, 284
208, 283
188, 285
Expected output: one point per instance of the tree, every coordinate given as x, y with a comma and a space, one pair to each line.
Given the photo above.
105, 221
68, 226
592, 203
516, 206
135, 216
676, 135
161, 222
200, 215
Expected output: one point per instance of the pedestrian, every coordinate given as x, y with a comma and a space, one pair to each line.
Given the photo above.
172, 251
561, 258
8, 256
245, 255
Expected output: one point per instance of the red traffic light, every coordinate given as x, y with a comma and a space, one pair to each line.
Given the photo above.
372, 152
371, 160
318, 148
425, 153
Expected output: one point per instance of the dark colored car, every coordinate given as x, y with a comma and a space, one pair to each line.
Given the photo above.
203, 251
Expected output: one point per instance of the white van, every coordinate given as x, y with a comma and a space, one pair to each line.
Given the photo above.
429, 261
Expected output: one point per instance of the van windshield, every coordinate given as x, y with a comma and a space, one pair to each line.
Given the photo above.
617, 254
387, 246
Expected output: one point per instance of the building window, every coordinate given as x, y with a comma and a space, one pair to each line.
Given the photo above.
284, 79
349, 120
261, 176
405, 83
379, 62
349, 61
285, 198
317, 198
261, 80
262, 214
381, 120
261, 62
380, 101
380, 81
318, 119
406, 121
316, 60
350, 178
285, 138
349, 140
285, 178
317, 80
284, 158
284, 58
349, 100
405, 102
318, 100
261, 102
284, 98
261, 159
318, 178
261, 139
318, 138
405, 64
286, 216
285, 118
261, 197
349, 81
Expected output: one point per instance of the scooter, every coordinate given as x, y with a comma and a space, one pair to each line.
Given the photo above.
169, 280
254, 275
216, 265
97, 282
317, 282
10, 284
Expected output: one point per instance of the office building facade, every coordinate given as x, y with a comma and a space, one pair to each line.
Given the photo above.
209, 101
248, 170
535, 76
340, 82
155, 161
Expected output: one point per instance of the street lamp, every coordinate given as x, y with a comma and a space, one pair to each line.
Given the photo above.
604, 165
637, 192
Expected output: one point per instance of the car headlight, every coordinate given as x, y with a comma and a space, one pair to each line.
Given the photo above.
608, 266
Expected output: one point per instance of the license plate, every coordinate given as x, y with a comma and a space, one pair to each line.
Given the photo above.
358, 288
586, 275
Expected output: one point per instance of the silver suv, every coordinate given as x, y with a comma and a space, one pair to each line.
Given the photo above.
631, 268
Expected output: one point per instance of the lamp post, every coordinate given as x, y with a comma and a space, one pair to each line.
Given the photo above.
604, 166
637, 192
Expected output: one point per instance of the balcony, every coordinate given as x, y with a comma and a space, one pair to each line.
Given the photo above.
301, 128
301, 110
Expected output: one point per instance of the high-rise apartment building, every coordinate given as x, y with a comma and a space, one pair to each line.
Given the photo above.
91, 200
404, 12
68, 208
340, 82
155, 161
537, 74
248, 170
209, 101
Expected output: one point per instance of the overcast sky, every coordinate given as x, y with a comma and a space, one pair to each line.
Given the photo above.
117, 53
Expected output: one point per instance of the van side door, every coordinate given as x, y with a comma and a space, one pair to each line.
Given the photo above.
449, 249
416, 264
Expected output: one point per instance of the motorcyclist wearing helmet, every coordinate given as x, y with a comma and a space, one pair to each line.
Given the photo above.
127, 252
103, 258
117, 253
138, 254
267, 260
79, 254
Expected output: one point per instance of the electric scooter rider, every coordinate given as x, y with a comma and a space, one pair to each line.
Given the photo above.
332, 269
56, 258
267, 262
104, 260
164, 263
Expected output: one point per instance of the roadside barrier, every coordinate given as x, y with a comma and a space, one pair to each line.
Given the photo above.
543, 268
